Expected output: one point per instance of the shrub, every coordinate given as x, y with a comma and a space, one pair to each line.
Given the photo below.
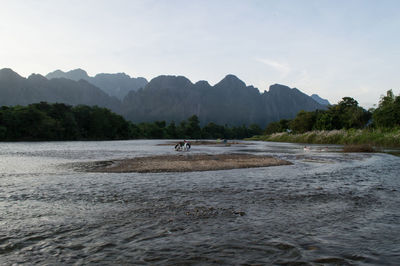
358, 148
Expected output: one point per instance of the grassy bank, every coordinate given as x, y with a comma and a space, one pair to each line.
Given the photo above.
374, 137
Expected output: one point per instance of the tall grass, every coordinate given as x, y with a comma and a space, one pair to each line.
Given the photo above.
375, 137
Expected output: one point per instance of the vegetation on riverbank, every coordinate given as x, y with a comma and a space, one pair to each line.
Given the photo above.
52, 122
344, 123
375, 137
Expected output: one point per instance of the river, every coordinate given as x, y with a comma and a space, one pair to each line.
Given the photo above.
328, 208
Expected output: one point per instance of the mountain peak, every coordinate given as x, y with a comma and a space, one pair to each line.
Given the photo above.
118, 84
320, 100
278, 87
79, 72
231, 81
202, 83
168, 98
8, 73
231, 78
37, 78
168, 81
75, 74
120, 75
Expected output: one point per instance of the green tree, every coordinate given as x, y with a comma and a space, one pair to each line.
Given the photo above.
324, 121
82, 114
213, 131
3, 133
303, 122
193, 129
387, 115
181, 130
134, 131
351, 115
279, 126
171, 131
254, 129
151, 130
346, 114
347, 102
387, 100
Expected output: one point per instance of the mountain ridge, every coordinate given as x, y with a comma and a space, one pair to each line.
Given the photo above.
230, 101
320, 100
166, 97
117, 84
18, 90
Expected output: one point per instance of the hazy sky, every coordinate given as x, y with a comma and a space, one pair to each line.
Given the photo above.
334, 48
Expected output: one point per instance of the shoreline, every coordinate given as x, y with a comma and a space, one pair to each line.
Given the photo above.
182, 163
377, 138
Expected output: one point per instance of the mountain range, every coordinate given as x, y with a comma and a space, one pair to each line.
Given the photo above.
230, 101
17, 90
117, 85
169, 98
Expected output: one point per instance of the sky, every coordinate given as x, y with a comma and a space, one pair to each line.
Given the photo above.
334, 48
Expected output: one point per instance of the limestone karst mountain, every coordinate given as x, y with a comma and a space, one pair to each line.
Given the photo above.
320, 100
17, 90
168, 98
174, 98
118, 84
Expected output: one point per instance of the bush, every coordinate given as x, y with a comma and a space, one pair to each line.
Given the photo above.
358, 148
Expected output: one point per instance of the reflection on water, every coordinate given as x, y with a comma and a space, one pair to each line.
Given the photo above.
327, 208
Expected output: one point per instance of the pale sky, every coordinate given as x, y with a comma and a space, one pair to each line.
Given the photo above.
334, 48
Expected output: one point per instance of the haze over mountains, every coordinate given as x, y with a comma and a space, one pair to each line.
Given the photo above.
117, 85
228, 102
320, 100
17, 90
169, 98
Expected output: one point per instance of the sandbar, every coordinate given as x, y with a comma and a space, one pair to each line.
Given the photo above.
205, 143
183, 163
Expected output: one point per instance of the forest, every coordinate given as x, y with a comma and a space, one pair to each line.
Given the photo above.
345, 123
58, 121
52, 122
347, 114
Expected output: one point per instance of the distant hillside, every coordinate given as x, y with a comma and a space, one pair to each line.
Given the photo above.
17, 90
174, 98
168, 98
76, 74
320, 100
118, 85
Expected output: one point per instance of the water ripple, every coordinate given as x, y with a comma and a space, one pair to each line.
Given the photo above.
328, 208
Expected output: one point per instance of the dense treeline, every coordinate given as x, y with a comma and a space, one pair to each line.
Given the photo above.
190, 129
387, 115
344, 115
345, 123
43, 121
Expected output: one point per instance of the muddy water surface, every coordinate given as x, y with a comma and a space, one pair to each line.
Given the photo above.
326, 208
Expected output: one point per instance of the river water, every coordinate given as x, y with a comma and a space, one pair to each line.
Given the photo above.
328, 208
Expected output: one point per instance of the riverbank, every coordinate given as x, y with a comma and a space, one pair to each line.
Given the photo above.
182, 163
375, 137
